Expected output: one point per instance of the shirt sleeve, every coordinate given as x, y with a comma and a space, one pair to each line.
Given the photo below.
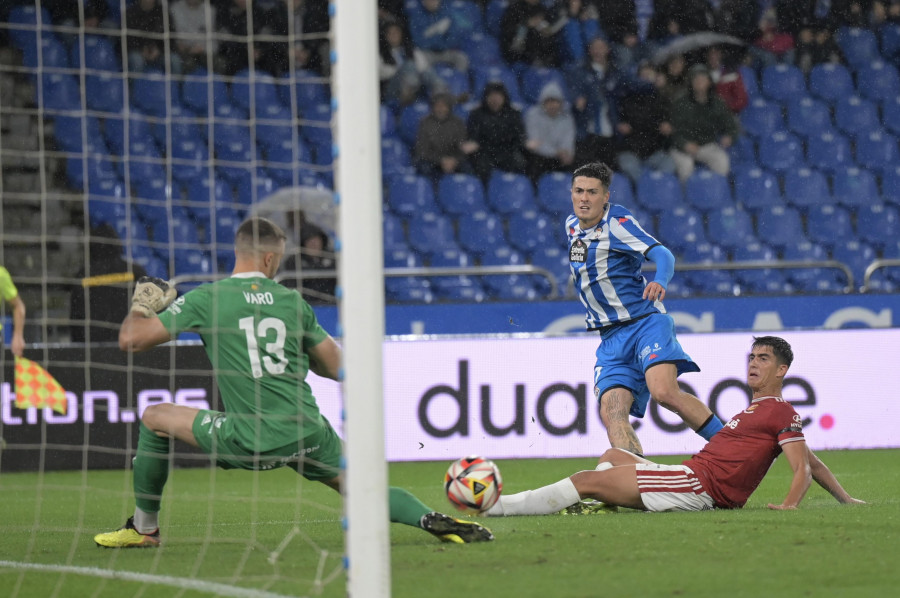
8, 290
314, 333
188, 312
627, 236
790, 425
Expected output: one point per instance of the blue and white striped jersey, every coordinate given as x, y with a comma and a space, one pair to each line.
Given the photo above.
606, 267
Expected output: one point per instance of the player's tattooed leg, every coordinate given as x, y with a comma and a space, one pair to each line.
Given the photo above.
614, 407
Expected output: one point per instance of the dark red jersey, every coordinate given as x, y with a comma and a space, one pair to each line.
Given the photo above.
733, 463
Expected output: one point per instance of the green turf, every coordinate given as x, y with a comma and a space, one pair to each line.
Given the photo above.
823, 549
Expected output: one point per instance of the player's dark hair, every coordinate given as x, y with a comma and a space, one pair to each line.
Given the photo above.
780, 347
258, 233
595, 170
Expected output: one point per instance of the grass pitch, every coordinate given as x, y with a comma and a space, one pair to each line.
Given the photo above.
223, 545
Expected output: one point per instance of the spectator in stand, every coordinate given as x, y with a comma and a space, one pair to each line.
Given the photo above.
242, 19
773, 45
581, 26
794, 15
529, 34
146, 52
404, 69
308, 20
595, 85
816, 45
442, 142
498, 129
436, 32
884, 11
849, 13
550, 133
192, 21
673, 18
99, 304
644, 126
619, 21
66, 13
728, 80
703, 126
739, 18
674, 73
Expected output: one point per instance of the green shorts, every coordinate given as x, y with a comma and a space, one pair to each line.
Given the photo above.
317, 456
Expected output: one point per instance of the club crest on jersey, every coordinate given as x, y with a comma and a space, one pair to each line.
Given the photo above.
578, 252
751, 409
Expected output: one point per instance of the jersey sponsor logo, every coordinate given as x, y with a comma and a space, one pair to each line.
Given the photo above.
259, 298
645, 352
733, 423
578, 252
623, 220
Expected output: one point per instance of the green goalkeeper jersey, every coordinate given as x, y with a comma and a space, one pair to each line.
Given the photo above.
257, 334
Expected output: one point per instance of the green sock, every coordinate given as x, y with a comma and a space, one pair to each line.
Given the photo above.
151, 469
405, 508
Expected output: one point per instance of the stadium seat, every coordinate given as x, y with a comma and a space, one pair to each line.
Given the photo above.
189, 160
829, 225
783, 82
706, 190
483, 49
554, 193
531, 229
395, 159
751, 81
876, 151
659, 191
554, 259
154, 93
411, 195
890, 185
742, 152
199, 86
105, 209
857, 256
310, 89
878, 225
408, 289
51, 53
58, 92
460, 194
805, 187
889, 40
761, 118
507, 286
26, 15
144, 162
509, 192
393, 234
252, 190
828, 152
282, 159
481, 232
457, 82
729, 227
402, 257
890, 115
410, 117
762, 280
70, 134
779, 226
316, 124
105, 92
859, 46
855, 187
534, 78
250, 89
620, 191
756, 188
681, 227
274, 128
458, 287
808, 116
878, 81
707, 282
856, 116
806, 279
99, 54
780, 152
831, 82
431, 232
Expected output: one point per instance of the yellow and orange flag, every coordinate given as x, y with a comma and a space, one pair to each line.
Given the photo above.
35, 387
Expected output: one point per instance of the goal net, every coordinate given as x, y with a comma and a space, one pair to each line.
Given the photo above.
127, 152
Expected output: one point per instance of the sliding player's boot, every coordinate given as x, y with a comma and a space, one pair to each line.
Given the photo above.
127, 537
453, 530
589, 507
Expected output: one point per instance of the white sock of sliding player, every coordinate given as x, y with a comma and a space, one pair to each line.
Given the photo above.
543, 501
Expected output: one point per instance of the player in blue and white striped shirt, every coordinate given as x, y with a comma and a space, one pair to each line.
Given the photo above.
639, 355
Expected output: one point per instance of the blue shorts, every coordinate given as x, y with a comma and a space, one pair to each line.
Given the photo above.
628, 351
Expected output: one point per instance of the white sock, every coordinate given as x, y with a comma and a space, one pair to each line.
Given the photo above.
543, 501
144, 522
604, 465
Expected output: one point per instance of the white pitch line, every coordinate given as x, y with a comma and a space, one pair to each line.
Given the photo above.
209, 587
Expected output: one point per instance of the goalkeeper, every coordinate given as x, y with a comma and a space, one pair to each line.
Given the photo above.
262, 339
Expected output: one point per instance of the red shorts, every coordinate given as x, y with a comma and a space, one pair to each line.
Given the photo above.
671, 488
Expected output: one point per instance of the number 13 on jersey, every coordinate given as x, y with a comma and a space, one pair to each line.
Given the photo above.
275, 361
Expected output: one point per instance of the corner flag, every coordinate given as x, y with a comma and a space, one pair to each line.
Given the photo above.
35, 387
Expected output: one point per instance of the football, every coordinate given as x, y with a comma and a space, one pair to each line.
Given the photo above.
473, 484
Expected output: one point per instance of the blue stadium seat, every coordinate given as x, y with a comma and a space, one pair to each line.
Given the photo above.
742, 152
620, 191
706, 190
856, 116
808, 116
890, 115
199, 86
105, 92
457, 82
761, 118
153, 93
808, 279
26, 16
309, 89
831, 82
402, 256
554, 193
106, 209
806, 187
857, 256
729, 227
282, 159
783, 82
493, 15
189, 159
531, 229
58, 92
70, 134
144, 162
756, 188
855, 187
387, 121
51, 53
410, 117
878, 224
751, 81
252, 190
829, 225
659, 191
483, 49
395, 159
481, 232
681, 227
534, 78
99, 54
763, 280
234, 154
393, 233
878, 81
859, 46
409, 289
459, 287
316, 124
554, 259
889, 38
707, 282
507, 286
509, 192
431, 232
274, 128
483, 74
876, 151
779, 226
828, 152
250, 89
890, 185
460, 194
411, 195
780, 152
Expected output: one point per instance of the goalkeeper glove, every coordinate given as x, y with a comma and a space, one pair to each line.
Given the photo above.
152, 295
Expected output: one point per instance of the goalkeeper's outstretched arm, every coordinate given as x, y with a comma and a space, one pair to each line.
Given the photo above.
325, 359
141, 329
